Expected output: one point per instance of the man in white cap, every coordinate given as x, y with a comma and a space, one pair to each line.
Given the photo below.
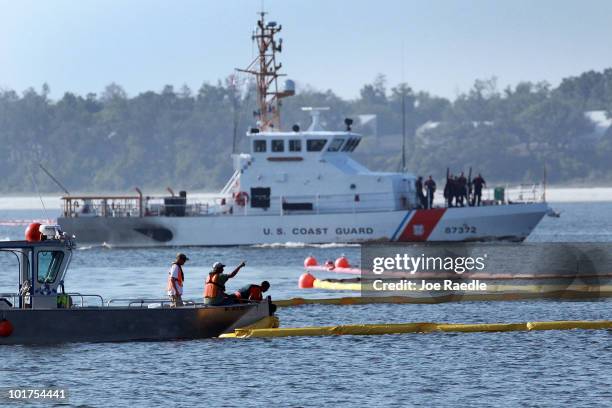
214, 288
175, 280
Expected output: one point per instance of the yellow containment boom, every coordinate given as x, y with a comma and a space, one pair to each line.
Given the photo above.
351, 285
269, 322
470, 297
420, 327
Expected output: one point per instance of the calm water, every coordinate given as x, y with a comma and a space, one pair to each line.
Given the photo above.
554, 368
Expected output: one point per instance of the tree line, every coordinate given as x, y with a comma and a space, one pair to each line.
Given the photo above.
183, 138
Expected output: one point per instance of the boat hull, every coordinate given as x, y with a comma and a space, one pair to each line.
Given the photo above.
503, 222
116, 324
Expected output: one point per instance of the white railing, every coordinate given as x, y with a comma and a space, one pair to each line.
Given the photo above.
226, 205
525, 193
294, 204
73, 296
522, 193
131, 207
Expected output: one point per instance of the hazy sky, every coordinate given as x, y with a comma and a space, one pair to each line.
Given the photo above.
82, 45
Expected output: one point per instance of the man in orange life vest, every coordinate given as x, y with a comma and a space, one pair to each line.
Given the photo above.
175, 280
214, 288
252, 292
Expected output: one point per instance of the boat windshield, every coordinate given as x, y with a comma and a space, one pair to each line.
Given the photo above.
335, 145
49, 263
351, 144
259, 146
278, 146
295, 145
315, 145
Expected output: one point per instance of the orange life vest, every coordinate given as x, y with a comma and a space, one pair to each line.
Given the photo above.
213, 287
256, 293
251, 292
181, 277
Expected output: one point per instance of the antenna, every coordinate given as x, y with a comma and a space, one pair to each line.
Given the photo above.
403, 115
266, 72
403, 129
39, 195
544, 183
234, 83
48, 173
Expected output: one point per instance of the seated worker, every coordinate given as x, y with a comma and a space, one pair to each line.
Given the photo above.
252, 292
214, 288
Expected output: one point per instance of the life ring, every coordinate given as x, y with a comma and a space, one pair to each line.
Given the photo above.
241, 198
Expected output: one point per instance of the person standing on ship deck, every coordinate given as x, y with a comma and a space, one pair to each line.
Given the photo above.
447, 191
454, 187
478, 182
420, 196
175, 280
430, 185
461, 190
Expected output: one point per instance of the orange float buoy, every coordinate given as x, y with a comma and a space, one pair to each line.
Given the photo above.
6, 328
310, 261
342, 262
306, 281
32, 233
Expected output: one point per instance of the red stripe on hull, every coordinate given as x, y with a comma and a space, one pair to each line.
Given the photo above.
421, 225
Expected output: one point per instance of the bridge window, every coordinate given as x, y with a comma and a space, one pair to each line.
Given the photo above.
335, 145
347, 146
259, 146
278, 146
295, 145
49, 263
315, 145
351, 144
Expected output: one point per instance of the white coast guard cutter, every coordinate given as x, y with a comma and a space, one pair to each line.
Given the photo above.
295, 186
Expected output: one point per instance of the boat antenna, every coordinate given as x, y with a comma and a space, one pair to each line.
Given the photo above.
403, 129
39, 195
544, 183
403, 115
234, 97
56, 181
266, 72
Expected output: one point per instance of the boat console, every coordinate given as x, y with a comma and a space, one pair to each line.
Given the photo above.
43, 260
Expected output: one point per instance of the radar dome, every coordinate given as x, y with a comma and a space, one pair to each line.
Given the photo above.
289, 88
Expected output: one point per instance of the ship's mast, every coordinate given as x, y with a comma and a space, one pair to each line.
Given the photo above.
266, 72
